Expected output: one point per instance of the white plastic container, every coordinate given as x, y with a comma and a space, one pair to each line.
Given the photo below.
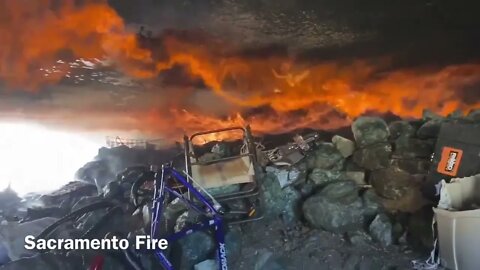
459, 231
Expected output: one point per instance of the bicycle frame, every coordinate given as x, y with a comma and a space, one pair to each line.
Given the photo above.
215, 222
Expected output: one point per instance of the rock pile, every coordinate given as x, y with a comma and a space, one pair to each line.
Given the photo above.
372, 182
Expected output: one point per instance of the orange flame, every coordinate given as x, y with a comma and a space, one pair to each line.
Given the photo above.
36, 34
327, 94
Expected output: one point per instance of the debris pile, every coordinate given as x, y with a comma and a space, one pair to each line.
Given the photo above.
332, 203
376, 181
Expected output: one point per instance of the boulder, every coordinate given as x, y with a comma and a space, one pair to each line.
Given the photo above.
359, 238
406, 147
412, 201
328, 157
346, 191
336, 208
113, 190
95, 172
412, 166
279, 202
430, 115
474, 116
401, 128
419, 228
69, 194
381, 230
457, 114
391, 183
306, 189
344, 145
429, 129
356, 176
370, 130
321, 177
373, 157
287, 176
206, 265
41, 212
371, 204
192, 249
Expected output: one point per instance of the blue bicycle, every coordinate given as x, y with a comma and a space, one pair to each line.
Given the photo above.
206, 206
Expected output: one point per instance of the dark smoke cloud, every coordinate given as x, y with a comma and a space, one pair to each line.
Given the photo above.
417, 32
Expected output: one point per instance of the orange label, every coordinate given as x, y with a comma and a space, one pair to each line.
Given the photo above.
450, 161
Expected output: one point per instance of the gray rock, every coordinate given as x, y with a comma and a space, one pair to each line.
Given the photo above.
401, 128
113, 190
279, 202
356, 176
474, 115
429, 129
411, 201
206, 265
95, 172
233, 242
335, 209
69, 194
340, 190
333, 216
412, 166
287, 176
413, 148
370, 130
359, 238
373, 157
306, 189
84, 201
321, 177
457, 114
352, 166
352, 262
345, 146
192, 249
328, 157
371, 204
391, 183
381, 230
430, 115
420, 228
171, 215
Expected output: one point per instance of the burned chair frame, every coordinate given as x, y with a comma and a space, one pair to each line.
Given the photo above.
251, 191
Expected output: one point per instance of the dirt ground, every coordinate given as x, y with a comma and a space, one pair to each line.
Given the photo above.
269, 245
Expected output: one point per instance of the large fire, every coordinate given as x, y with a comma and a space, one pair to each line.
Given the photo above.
313, 94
